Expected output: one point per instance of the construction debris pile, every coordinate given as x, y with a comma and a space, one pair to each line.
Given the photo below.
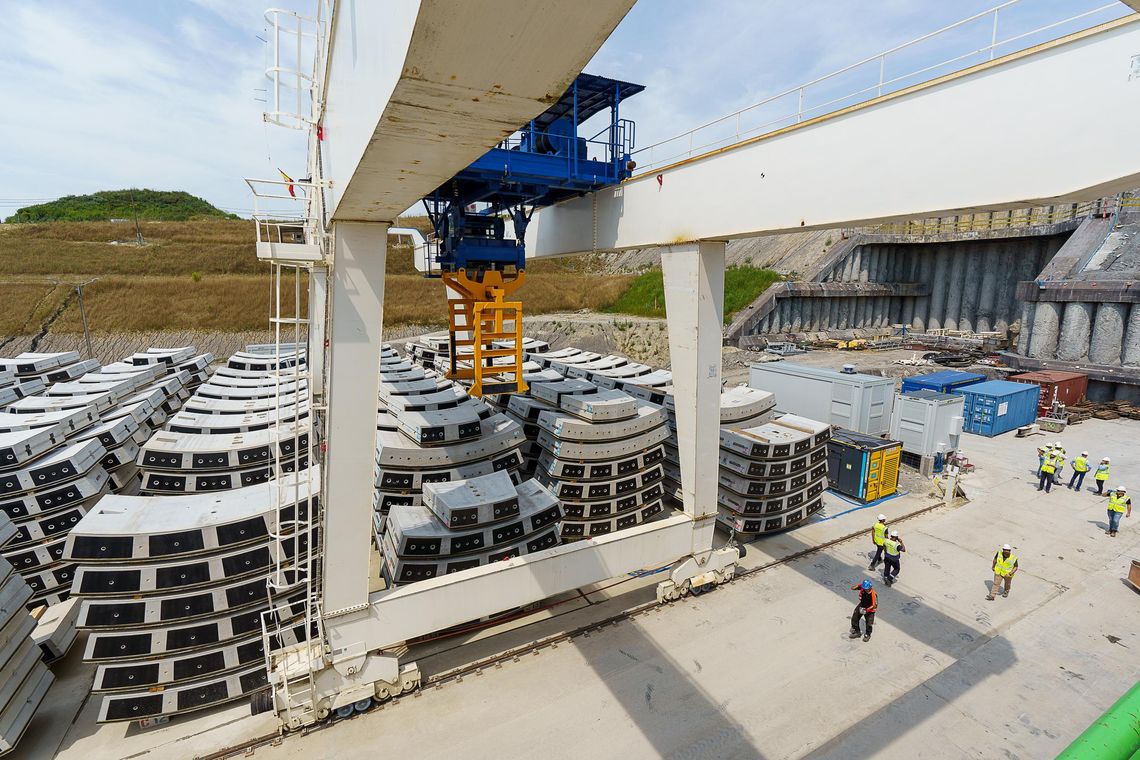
1102, 410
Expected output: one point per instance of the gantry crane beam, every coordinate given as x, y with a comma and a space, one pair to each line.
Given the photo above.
1055, 123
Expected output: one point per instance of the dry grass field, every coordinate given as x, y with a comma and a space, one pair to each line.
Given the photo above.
204, 275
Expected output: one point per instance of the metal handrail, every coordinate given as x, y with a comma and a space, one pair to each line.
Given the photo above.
994, 220
688, 144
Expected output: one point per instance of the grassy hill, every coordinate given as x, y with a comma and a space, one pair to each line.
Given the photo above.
152, 205
205, 275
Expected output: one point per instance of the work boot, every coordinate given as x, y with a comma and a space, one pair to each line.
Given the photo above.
1005, 595
989, 597
867, 637
854, 634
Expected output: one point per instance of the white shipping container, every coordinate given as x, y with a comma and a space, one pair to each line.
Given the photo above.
926, 420
850, 400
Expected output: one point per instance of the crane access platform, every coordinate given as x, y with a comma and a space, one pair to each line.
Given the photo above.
480, 258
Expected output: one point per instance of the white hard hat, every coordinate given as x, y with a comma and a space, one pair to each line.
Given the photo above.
894, 533
1058, 444
1120, 488
1084, 453
1106, 459
882, 517
1006, 548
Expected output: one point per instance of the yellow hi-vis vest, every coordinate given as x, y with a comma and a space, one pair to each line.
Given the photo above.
1102, 472
1117, 504
1080, 464
891, 547
1003, 566
879, 533
1059, 461
1049, 466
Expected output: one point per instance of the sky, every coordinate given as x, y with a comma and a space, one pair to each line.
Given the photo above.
168, 95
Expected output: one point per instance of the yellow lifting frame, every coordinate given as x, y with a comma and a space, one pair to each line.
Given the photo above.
481, 312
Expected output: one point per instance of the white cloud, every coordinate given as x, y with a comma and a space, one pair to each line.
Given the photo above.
102, 96
112, 103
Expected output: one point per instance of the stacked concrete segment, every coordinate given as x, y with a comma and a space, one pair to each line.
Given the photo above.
466, 524
772, 476
30, 373
601, 454
429, 430
26, 678
174, 590
48, 481
246, 420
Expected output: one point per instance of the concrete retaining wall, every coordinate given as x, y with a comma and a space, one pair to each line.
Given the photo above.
968, 285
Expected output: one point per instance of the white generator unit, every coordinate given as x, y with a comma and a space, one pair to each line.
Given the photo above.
925, 421
845, 398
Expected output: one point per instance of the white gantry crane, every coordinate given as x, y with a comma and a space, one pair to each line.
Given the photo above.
404, 94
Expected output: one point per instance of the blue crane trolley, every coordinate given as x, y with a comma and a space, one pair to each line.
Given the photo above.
543, 162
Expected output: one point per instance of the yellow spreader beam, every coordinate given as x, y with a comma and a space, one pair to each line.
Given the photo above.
479, 317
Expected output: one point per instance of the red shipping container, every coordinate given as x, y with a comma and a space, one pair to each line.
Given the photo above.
1066, 387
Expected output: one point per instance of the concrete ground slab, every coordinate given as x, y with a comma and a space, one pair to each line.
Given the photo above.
763, 667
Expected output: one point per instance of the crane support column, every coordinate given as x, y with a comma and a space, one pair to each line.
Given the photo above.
356, 322
694, 299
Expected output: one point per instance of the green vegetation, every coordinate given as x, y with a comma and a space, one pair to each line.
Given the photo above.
646, 295
205, 275
151, 205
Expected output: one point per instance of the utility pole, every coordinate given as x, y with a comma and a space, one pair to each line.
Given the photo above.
82, 310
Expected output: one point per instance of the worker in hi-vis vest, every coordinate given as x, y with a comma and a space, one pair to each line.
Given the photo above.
1047, 469
892, 555
878, 533
1119, 505
1101, 476
1080, 467
865, 608
1058, 461
1004, 567
1042, 452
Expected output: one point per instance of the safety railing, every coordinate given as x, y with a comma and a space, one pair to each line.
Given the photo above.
609, 146
294, 44
990, 221
285, 219
875, 76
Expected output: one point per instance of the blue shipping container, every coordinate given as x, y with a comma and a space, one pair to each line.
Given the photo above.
943, 382
998, 406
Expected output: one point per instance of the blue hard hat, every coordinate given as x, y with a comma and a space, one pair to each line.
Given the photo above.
866, 584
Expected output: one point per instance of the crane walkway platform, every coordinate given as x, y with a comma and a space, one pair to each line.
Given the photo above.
737, 672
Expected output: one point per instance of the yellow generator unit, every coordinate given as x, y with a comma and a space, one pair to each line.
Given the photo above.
862, 466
